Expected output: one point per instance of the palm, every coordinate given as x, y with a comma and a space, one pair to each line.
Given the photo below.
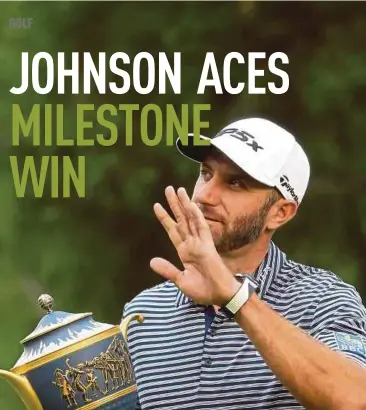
204, 271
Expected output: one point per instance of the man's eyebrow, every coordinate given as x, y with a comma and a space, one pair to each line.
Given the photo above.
205, 164
236, 175
229, 173
244, 177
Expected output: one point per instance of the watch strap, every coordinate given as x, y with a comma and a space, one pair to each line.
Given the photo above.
248, 287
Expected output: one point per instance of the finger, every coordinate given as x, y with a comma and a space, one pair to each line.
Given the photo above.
187, 205
169, 225
184, 198
177, 210
165, 219
200, 222
196, 218
165, 269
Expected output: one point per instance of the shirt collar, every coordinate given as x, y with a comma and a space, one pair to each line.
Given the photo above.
265, 274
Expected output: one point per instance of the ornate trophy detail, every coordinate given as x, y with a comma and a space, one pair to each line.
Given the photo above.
46, 303
72, 362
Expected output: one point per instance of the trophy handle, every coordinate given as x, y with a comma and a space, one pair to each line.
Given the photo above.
127, 320
23, 388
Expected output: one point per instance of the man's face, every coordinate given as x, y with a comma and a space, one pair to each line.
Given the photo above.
234, 204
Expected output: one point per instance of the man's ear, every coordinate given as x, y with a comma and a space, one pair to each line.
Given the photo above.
281, 213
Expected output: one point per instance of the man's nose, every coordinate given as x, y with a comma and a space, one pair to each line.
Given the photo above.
208, 193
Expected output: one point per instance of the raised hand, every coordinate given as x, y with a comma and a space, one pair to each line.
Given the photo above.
204, 278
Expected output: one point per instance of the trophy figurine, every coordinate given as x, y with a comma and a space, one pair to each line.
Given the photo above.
72, 362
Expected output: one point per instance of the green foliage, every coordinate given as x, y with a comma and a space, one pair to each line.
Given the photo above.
93, 254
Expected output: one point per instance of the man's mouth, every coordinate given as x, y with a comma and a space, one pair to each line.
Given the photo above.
211, 219
210, 216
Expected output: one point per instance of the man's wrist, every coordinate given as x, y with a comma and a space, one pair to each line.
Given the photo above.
231, 290
228, 285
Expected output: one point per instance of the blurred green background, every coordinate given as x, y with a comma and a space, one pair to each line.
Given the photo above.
93, 254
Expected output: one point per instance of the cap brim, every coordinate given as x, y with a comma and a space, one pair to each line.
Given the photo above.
196, 153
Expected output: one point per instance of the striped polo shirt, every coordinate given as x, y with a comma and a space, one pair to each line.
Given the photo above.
186, 356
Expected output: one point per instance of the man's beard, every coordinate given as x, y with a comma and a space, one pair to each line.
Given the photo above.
244, 230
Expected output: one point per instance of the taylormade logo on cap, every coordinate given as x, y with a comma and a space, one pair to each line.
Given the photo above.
262, 149
284, 181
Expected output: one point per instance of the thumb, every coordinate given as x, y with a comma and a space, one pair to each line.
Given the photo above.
165, 269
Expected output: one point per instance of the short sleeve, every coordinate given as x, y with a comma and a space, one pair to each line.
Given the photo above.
340, 322
125, 310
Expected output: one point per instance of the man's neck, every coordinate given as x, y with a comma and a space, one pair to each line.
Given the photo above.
248, 258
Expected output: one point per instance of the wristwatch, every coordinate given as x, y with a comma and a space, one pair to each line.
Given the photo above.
248, 287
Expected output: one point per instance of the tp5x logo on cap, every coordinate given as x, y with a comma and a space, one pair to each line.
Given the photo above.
242, 136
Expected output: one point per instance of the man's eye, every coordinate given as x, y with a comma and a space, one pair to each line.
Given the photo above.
236, 183
205, 174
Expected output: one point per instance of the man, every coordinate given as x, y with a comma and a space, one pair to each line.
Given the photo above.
239, 325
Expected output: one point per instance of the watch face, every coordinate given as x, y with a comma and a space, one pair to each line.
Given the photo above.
241, 276
254, 283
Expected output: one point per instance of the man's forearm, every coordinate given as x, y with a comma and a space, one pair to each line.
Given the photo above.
316, 376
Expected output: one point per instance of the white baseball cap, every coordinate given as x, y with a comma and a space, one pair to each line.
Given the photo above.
262, 149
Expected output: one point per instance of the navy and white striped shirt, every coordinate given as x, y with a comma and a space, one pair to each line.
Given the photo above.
187, 357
